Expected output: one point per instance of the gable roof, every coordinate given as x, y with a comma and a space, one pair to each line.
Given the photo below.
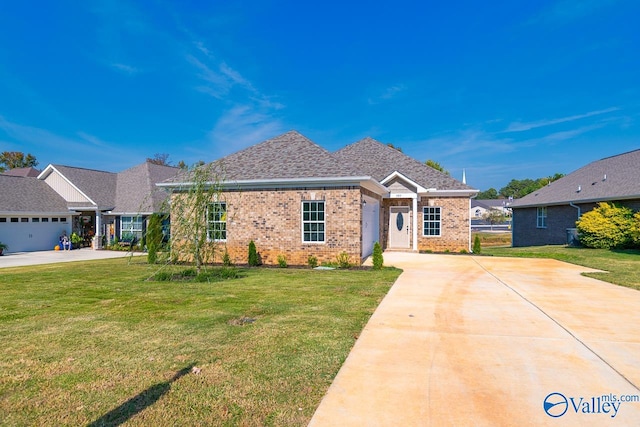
32, 172
29, 195
380, 161
136, 191
608, 179
98, 186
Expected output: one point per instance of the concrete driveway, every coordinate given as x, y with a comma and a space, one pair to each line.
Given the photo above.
484, 341
21, 259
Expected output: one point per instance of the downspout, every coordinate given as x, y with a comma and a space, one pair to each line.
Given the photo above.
577, 207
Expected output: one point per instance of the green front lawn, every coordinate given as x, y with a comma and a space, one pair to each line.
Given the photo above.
95, 343
622, 267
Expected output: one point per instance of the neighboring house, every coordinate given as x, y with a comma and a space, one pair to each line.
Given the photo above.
32, 172
294, 198
32, 215
481, 208
548, 216
106, 203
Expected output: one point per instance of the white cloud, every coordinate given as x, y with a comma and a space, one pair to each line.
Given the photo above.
127, 69
524, 126
242, 126
387, 94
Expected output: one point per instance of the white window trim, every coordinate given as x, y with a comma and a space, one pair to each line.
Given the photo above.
541, 214
132, 230
209, 239
324, 223
424, 229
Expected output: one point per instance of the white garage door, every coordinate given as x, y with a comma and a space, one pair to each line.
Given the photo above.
29, 234
370, 225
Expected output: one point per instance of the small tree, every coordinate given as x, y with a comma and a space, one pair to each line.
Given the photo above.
477, 248
196, 225
253, 259
494, 216
154, 238
378, 259
605, 227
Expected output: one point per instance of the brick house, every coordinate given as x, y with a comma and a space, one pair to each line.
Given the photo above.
294, 198
548, 216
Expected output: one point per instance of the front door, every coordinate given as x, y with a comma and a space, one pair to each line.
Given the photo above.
399, 236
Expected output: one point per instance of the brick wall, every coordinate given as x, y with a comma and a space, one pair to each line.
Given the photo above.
273, 220
455, 233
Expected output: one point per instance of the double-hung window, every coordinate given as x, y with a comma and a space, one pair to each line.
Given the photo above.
541, 217
217, 221
431, 221
313, 221
130, 226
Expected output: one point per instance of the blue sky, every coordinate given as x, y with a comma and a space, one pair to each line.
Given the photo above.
503, 89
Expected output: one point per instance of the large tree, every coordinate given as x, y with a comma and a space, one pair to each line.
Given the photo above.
491, 193
16, 159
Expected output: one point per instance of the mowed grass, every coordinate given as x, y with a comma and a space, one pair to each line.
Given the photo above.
620, 267
95, 343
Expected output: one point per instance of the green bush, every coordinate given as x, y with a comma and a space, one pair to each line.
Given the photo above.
154, 238
343, 260
634, 231
378, 259
282, 261
607, 226
312, 261
226, 259
253, 260
477, 248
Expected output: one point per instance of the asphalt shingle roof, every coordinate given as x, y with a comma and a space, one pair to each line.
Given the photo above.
136, 189
379, 161
99, 186
288, 156
28, 194
588, 183
32, 172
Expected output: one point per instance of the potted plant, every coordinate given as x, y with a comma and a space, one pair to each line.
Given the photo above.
3, 246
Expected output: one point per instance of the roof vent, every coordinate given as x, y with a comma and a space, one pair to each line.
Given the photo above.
605, 177
579, 189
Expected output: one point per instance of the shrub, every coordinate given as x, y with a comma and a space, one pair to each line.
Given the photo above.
226, 259
282, 261
378, 259
634, 231
343, 260
154, 238
253, 255
312, 261
605, 227
477, 248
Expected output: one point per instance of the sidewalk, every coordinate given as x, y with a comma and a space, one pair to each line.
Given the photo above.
21, 259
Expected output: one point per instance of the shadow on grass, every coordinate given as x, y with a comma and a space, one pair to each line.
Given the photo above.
139, 403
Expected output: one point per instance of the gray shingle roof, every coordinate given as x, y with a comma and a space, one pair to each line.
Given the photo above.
32, 172
99, 186
379, 161
622, 182
136, 189
27, 194
288, 156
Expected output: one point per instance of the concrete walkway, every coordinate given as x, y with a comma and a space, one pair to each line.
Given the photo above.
484, 341
20, 259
